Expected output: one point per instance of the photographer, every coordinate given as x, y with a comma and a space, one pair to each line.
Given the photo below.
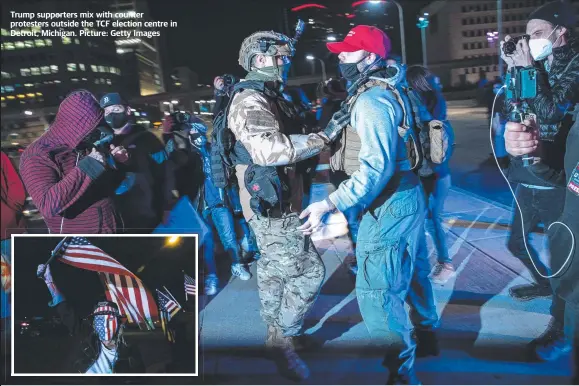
550, 50
520, 141
144, 196
66, 177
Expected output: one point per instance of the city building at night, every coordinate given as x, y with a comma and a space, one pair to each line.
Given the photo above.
37, 73
139, 55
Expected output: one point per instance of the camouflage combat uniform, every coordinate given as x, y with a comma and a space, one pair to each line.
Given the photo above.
290, 271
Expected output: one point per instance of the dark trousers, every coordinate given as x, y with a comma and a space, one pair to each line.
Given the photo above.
537, 206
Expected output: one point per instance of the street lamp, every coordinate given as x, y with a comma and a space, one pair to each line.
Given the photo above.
311, 57
422, 24
400, 21
173, 240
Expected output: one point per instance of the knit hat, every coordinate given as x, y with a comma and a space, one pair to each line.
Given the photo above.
559, 13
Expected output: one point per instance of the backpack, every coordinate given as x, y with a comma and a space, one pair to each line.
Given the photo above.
346, 148
436, 137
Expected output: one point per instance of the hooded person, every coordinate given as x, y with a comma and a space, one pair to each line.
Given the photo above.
96, 343
68, 182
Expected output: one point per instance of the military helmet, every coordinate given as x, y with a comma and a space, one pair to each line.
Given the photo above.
267, 43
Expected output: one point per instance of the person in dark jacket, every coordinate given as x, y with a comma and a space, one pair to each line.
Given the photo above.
144, 197
188, 140
564, 233
97, 342
437, 184
70, 183
552, 51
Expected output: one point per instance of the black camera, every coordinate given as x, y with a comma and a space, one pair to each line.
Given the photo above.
229, 80
510, 47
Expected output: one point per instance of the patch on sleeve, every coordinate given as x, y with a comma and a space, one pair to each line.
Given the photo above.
573, 185
261, 121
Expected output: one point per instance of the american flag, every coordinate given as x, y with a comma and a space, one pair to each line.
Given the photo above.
169, 333
190, 286
121, 285
167, 304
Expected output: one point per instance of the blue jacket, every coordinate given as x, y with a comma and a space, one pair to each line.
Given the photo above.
375, 117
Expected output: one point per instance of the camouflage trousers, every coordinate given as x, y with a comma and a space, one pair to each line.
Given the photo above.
288, 278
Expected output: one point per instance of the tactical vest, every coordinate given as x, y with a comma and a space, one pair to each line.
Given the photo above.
346, 149
268, 186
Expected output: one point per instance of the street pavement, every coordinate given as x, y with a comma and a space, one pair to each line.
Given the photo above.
484, 333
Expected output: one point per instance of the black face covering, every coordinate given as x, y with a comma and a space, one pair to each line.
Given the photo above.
117, 120
350, 70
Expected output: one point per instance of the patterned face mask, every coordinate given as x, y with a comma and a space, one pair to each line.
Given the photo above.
106, 326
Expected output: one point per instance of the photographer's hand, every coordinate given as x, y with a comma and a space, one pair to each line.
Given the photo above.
522, 55
521, 138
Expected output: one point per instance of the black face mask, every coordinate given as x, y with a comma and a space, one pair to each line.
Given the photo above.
117, 120
350, 70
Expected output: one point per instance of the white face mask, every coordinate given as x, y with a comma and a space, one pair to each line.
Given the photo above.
541, 48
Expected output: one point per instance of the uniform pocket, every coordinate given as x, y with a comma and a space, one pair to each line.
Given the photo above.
378, 264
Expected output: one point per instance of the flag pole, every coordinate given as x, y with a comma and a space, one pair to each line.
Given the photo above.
53, 255
172, 297
186, 298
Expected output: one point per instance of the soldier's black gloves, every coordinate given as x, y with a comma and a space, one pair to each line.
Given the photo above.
338, 122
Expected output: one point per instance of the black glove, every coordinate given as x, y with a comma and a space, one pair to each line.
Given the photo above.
338, 122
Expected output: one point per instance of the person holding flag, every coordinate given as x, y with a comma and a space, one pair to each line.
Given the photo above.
96, 343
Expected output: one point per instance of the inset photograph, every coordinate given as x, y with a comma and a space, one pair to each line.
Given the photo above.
104, 305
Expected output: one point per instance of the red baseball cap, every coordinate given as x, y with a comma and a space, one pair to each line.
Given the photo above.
363, 37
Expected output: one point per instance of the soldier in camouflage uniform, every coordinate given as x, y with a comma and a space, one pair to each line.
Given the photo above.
290, 271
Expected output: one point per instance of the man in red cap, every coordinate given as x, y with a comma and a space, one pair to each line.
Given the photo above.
391, 246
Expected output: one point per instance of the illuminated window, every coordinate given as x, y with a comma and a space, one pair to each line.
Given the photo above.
48, 42
54, 69
93, 68
30, 95
8, 46
35, 70
39, 93
81, 66
112, 70
9, 88
21, 96
28, 85
5, 75
25, 71
71, 67
11, 97
19, 45
102, 69
5, 32
45, 69
96, 81
57, 81
41, 43
29, 44
109, 82
74, 80
66, 40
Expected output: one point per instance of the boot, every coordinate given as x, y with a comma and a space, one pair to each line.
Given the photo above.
291, 363
304, 343
288, 361
552, 344
426, 343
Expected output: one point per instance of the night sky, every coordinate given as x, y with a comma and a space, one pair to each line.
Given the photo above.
211, 31
83, 288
